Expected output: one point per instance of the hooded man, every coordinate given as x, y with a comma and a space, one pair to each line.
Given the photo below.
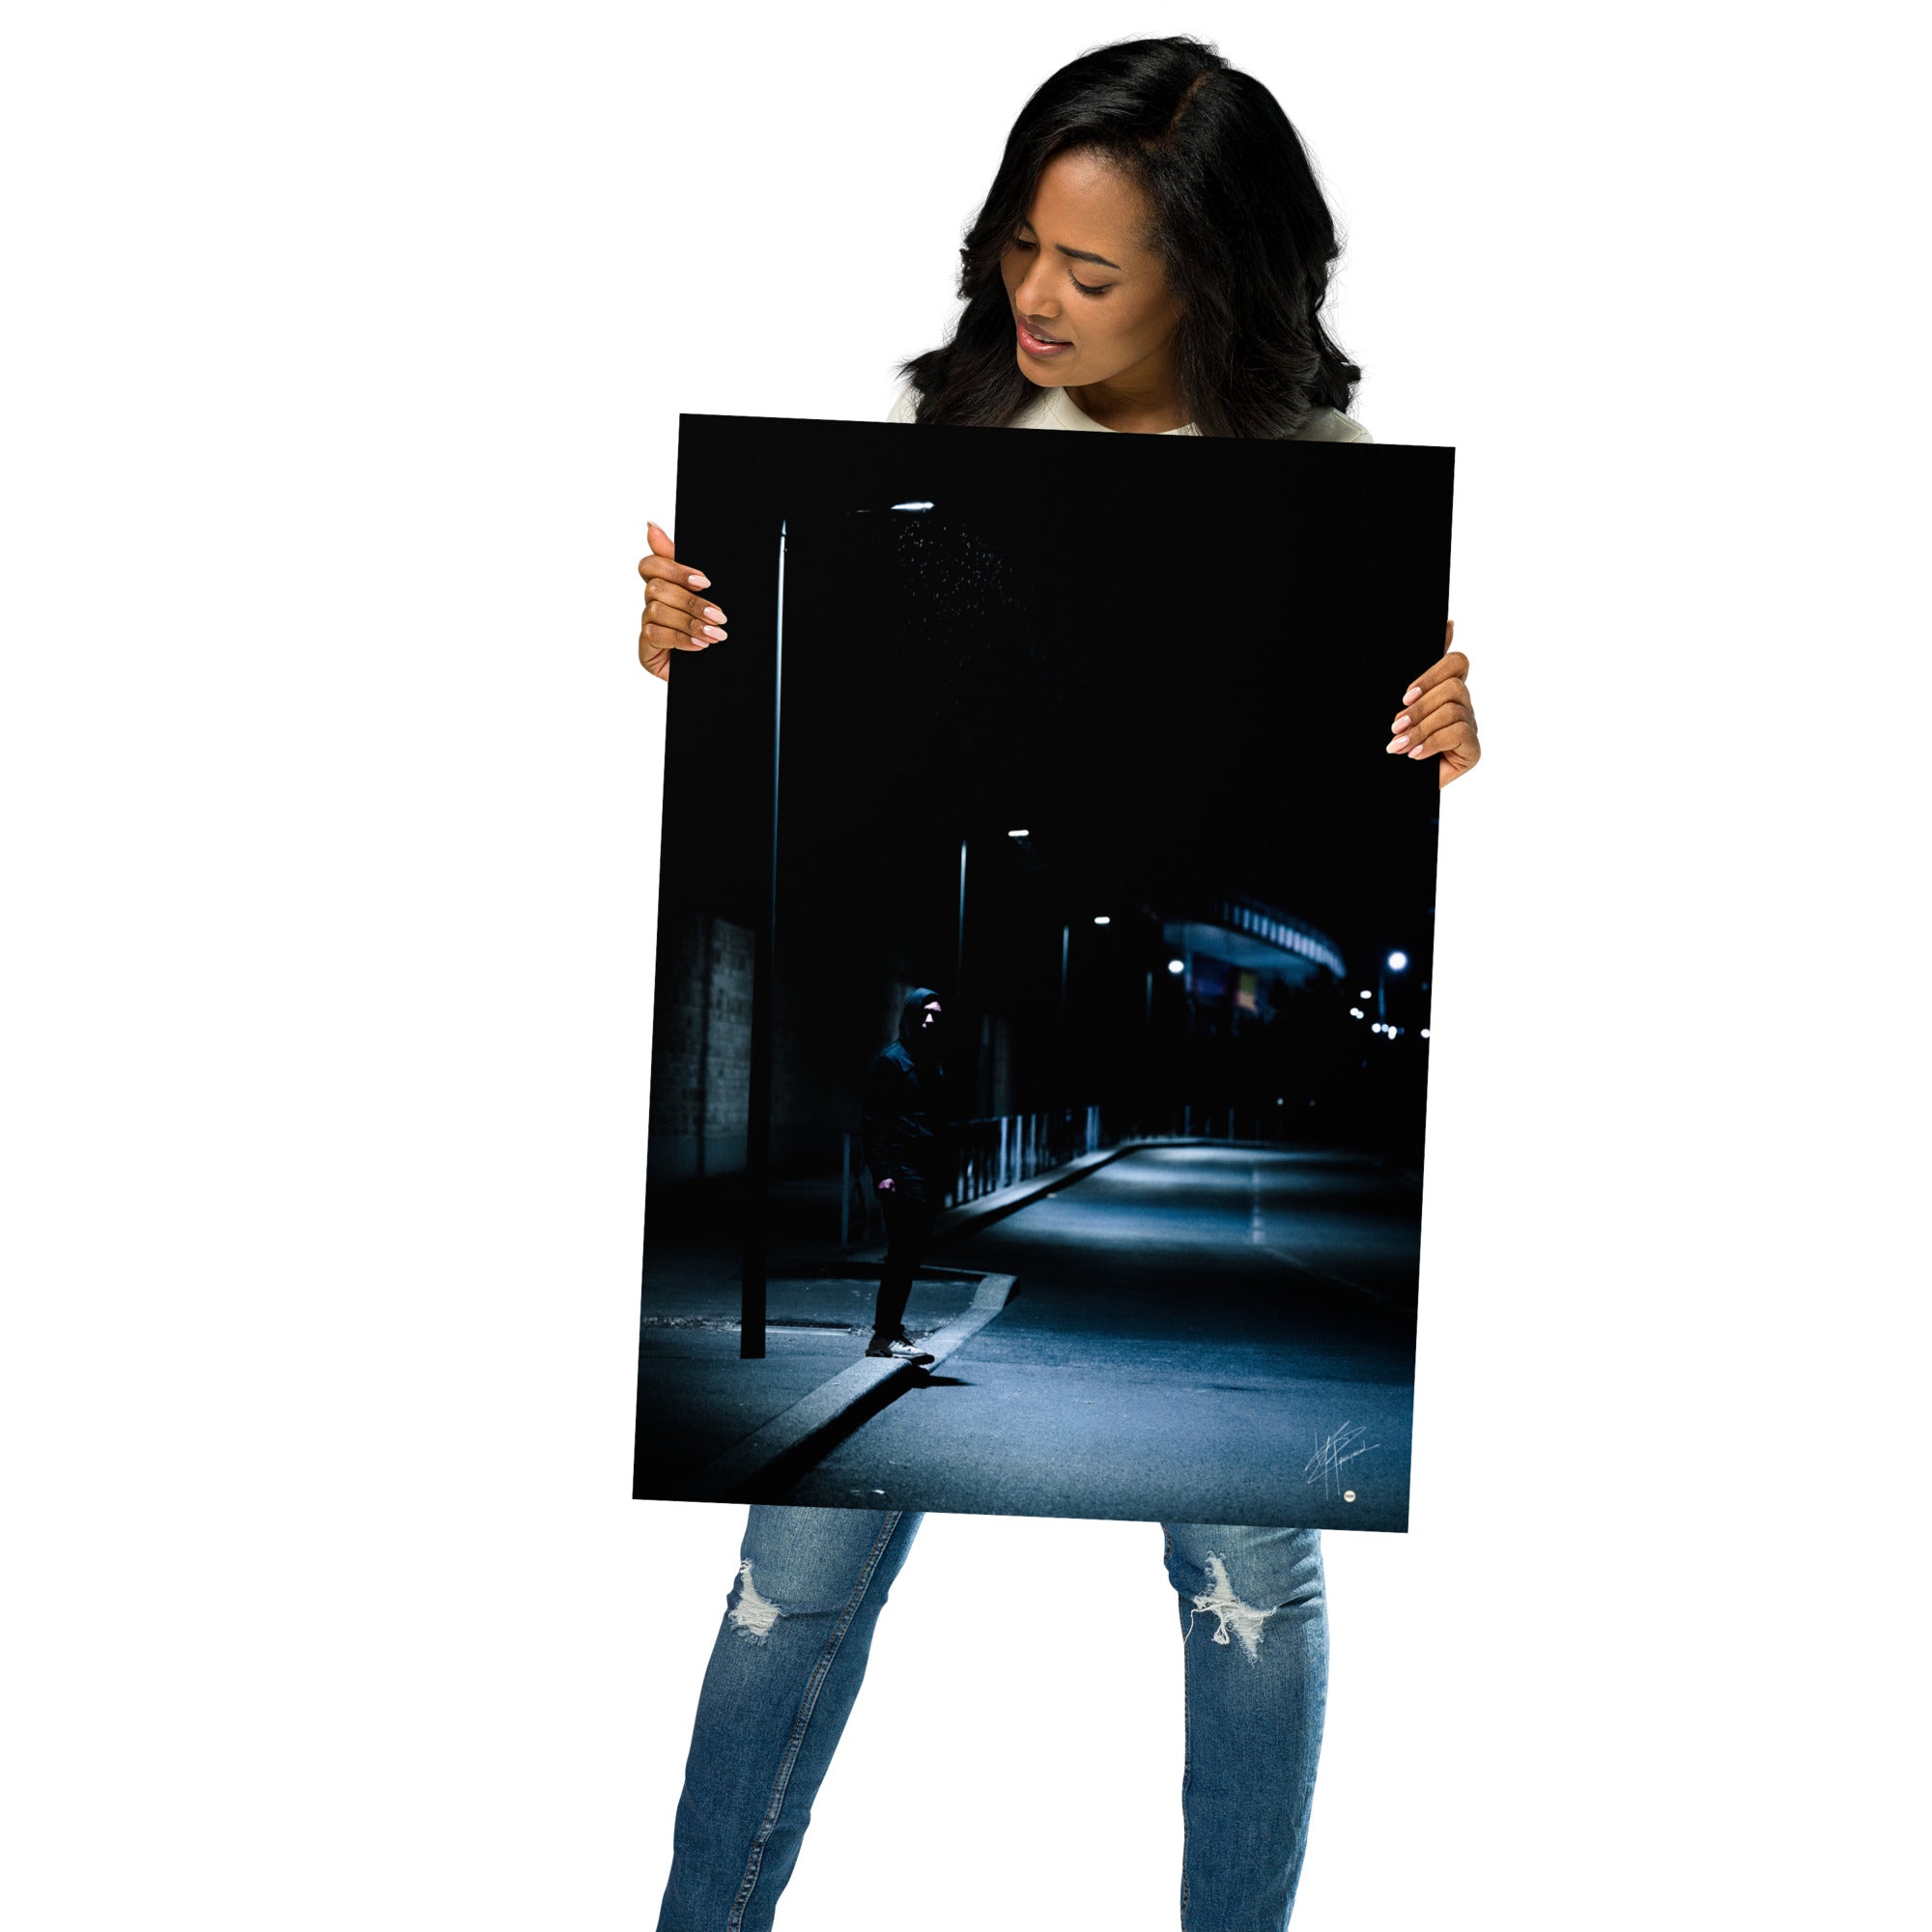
912, 1147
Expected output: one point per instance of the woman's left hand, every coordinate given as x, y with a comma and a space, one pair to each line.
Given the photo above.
1436, 719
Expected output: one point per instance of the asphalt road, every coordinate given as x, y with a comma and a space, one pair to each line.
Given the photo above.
1201, 1333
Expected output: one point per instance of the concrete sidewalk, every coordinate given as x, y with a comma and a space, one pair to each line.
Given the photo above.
713, 1424
699, 1287
793, 1440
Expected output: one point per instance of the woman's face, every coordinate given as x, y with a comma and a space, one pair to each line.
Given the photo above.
1091, 302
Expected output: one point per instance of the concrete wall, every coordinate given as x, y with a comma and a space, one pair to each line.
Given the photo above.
701, 1053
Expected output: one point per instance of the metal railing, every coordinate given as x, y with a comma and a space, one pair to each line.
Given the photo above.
1001, 1150
1011, 1147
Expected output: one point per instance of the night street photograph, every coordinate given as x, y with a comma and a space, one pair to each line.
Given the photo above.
1042, 982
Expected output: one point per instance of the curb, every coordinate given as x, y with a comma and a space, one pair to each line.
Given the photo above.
813, 1423
970, 1216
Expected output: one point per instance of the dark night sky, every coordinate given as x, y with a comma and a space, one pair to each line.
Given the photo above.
1175, 659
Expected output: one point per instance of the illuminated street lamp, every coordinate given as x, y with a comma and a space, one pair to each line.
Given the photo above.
1394, 963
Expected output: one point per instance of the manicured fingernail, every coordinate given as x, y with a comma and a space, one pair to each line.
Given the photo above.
658, 528
699, 582
712, 611
1400, 723
1417, 753
1413, 691
712, 631
1395, 744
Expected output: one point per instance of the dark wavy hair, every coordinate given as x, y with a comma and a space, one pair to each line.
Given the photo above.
1239, 226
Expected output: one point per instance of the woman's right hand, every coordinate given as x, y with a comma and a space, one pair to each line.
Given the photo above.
676, 617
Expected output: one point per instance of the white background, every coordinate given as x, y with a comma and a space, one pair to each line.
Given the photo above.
346, 351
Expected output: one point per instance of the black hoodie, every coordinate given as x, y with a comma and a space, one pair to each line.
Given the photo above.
909, 1130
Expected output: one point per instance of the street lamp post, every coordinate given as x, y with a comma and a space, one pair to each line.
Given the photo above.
755, 1268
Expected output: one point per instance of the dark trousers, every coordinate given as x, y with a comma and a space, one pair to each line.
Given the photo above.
908, 1229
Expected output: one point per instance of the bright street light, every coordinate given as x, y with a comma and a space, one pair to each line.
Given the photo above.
1397, 961
1177, 965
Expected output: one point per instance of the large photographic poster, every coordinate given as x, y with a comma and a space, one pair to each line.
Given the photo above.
1042, 981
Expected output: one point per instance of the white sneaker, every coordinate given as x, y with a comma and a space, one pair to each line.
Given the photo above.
898, 1347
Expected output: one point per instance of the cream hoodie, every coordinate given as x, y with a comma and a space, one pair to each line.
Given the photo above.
1055, 409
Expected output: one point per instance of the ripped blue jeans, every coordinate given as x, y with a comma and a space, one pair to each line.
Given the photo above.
791, 1649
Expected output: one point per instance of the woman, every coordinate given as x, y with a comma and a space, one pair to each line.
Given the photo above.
1151, 258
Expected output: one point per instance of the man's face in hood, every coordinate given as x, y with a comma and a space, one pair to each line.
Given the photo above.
921, 1027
